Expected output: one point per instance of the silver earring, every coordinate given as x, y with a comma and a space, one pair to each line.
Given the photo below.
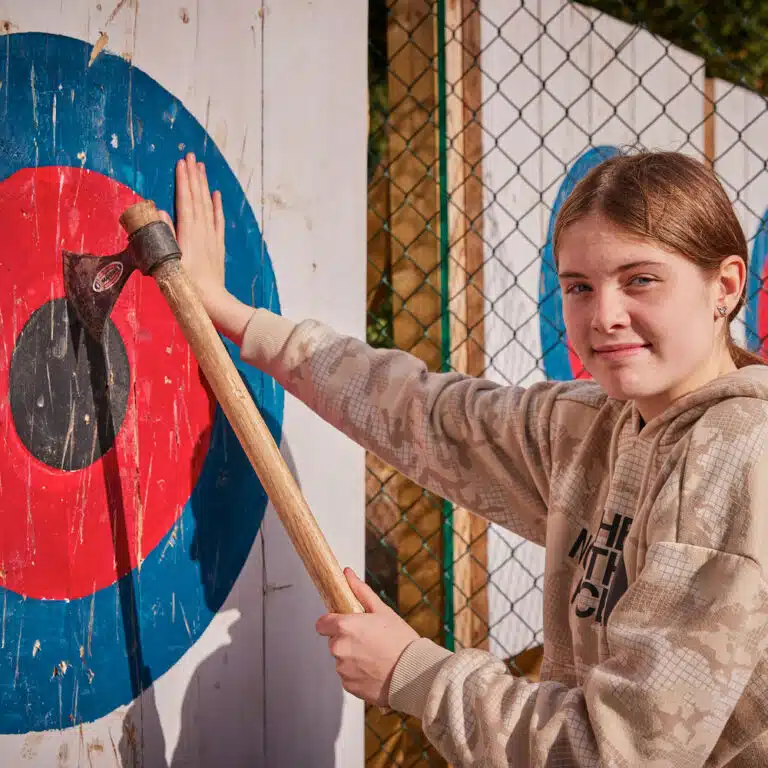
722, 311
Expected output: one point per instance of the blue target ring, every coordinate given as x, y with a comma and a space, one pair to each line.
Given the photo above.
755, 291
184, 581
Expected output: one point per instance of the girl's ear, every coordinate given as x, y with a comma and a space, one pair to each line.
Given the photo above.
730, 282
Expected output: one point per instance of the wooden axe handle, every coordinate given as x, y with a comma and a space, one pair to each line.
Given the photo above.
246, 421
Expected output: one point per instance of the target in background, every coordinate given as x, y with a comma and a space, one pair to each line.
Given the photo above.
128, 505
756, 314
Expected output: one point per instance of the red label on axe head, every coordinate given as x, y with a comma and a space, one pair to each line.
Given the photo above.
82, 425
108, 277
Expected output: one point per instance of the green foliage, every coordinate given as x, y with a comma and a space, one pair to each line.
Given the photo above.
379, 326
379, 330
377, 83
731, 37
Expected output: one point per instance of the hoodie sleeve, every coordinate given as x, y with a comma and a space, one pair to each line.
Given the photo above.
684, 641
684, 683
480, 445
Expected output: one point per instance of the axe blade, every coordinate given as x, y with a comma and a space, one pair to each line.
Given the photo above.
93, 284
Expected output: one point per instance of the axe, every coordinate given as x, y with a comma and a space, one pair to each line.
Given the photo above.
93, 284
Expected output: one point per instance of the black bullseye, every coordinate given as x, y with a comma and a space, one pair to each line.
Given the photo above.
68, 393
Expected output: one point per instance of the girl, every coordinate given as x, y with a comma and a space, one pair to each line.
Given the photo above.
648, 486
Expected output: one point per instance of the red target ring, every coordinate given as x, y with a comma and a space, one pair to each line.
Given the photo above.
56, 538
577, 367
762, 312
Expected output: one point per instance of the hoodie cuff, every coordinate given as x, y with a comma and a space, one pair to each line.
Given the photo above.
414, 674
265, 337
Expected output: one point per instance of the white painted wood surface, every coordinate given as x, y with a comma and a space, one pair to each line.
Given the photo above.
741, 149
281, 88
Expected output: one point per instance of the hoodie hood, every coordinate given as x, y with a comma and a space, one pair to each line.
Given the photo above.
748, 382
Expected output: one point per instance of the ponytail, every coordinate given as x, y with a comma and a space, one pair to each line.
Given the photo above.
741, 357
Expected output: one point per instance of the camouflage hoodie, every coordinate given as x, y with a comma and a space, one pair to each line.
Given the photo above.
656, 535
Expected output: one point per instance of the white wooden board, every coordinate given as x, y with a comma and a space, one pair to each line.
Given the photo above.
741, 149
280, 91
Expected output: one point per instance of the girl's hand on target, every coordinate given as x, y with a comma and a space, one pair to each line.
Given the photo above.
200, 230
366, 646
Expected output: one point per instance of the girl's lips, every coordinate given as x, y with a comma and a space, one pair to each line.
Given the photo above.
620, 351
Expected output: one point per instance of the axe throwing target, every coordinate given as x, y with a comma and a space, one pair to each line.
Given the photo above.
116, 469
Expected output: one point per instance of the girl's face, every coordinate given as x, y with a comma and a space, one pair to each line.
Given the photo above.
642, 319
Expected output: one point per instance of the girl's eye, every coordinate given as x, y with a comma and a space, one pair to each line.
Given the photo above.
577, 288
641, 281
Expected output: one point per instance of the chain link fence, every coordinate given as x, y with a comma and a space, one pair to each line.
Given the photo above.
483, 115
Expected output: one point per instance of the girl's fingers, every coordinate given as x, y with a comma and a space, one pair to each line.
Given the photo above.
205, 199
218, 219
367, 597
183, 191
194, 184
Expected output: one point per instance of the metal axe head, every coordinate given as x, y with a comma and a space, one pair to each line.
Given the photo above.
93, 283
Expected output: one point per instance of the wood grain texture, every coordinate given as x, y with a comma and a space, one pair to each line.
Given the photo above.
138, 216
466, 300
249, 426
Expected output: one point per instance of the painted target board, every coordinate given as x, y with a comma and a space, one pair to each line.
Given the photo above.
141, 610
